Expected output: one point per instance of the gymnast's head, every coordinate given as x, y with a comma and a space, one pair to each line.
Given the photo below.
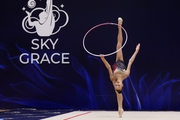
43, 17
118, 86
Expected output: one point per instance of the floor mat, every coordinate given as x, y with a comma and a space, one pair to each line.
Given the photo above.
30, 113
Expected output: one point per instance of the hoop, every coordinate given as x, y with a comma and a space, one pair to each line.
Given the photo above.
102, 24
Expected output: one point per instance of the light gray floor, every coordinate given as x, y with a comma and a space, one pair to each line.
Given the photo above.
113, 115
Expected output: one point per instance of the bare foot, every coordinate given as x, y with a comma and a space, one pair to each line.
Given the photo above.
120, 21
120, 111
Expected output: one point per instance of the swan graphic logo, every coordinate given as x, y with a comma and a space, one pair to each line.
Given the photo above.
43, 20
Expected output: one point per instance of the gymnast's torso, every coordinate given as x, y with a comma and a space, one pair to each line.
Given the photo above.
119, 71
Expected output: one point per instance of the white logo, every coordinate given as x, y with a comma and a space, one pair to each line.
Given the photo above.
44, 24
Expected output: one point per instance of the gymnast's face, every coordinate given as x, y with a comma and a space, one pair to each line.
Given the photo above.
43, 17
118, 85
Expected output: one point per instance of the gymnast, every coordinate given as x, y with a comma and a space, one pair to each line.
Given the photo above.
119, 72
46, 23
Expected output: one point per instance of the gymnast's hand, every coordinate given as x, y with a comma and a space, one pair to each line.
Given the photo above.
28, 13
138, 47
101, 56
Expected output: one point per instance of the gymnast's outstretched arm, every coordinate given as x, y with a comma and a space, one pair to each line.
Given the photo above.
107, 66
131, 60
29, 18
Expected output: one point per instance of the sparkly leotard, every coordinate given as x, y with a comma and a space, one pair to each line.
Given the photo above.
118, 65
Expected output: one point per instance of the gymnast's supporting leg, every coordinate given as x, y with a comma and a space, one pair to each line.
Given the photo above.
120, 106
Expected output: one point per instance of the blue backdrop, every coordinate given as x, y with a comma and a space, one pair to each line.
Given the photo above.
79, 80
